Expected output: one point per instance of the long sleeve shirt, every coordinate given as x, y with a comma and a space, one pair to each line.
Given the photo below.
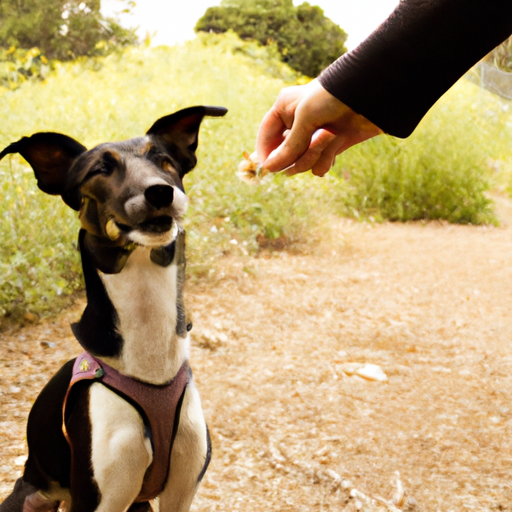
414, 57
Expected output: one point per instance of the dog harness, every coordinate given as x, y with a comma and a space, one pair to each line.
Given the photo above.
157, 404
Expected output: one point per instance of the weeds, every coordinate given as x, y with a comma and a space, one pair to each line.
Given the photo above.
17, 66
442, 170
39, 263
437, 173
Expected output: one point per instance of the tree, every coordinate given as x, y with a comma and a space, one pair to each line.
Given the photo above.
306, 39
61, 29
319, 42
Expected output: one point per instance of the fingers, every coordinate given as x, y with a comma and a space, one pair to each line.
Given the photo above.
292, 149
324, 164
302, 147
328, 157
270, 134
276, 121
306, 128
320, 155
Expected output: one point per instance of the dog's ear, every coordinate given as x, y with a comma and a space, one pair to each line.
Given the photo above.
179, 133
51, 156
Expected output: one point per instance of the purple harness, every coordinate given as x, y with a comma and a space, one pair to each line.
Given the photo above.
158, 404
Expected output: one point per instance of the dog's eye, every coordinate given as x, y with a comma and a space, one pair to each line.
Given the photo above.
100, 169
105, 166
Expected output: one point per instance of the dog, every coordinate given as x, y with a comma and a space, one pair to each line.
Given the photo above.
121, 427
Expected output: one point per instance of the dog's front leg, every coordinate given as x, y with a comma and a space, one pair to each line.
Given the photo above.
190, 455
120, 451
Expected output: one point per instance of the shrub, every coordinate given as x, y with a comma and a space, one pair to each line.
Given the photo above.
61, 29
306, 39
120, 96
440, 172
39, 263
17, 66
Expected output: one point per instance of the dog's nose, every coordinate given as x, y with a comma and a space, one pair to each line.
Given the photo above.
159, 196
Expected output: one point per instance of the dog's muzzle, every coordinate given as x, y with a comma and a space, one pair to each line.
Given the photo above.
157, 226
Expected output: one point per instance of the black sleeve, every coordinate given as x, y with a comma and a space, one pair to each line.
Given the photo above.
414, 57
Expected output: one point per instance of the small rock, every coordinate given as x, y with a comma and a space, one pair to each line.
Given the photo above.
372, 372
366, 371
47, 344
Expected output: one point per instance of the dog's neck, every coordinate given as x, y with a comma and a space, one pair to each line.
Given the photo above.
135, 319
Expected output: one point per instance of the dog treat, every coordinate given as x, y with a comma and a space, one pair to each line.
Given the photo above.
112, 230
251, 171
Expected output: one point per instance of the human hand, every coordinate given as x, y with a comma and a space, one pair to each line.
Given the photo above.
306, 128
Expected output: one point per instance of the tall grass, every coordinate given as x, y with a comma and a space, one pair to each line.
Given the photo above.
38, 263
442, 171
120, 96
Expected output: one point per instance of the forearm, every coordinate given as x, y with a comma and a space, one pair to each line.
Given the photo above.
424, 47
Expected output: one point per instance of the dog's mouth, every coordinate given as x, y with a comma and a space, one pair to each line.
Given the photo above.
155, 231
160, 224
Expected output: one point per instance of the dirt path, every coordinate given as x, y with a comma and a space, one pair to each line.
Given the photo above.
428, 304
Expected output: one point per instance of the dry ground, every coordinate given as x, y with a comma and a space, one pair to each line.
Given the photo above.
429, 304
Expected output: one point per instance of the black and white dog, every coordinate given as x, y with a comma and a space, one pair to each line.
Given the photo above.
121, 427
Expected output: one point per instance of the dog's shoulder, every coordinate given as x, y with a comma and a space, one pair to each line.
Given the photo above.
52, 395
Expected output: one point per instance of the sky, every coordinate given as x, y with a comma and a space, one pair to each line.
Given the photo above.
172, 21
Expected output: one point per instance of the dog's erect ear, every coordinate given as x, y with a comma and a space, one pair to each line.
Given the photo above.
51, 155
178, 132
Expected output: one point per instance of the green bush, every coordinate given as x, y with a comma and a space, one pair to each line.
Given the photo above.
401, 181
39, 263
306, 39
17, 66
61, 29
445, 163
440, 172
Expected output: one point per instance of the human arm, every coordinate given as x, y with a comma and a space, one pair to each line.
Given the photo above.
414, 57
390, 81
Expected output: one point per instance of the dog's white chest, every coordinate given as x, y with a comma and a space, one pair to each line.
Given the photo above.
144, 295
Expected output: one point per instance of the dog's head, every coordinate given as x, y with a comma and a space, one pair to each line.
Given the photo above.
127, 192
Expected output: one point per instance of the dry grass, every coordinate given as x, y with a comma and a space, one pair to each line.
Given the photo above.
429, 304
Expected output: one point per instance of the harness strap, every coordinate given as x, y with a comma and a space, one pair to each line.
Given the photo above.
157, 403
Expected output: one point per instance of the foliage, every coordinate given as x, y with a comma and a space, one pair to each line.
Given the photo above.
318, 42
441, 171
61, 29
120, 96
306, 39
418, 180
38, 266
17, 66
